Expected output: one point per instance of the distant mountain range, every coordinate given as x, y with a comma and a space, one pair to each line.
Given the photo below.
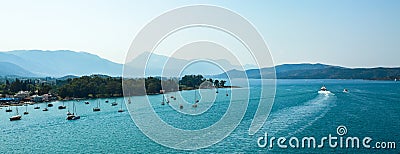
60, 63
38, 63
7, 68
316, 71
155, 66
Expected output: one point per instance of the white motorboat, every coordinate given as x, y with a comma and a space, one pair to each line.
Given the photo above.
323, 90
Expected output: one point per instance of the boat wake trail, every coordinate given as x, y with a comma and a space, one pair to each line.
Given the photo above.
292, 120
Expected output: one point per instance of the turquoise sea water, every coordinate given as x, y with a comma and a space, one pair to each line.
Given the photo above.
371, 108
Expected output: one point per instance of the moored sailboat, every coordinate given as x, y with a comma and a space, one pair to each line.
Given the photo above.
36, 107
15, 117
62, 106
74, 115
68, 113
97, 108
9, 109
114, 103
121, 110
26, 110
46, 109
195, 100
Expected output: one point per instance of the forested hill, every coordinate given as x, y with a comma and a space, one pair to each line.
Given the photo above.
317, 71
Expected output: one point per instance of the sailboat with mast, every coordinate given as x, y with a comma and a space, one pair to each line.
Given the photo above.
46, 109
114, 103
16, 117
68, 113
121, 110
74, 115
26, 109
97, 108
163, 97
167, 99
37, 106
62, 106
9, 109
195, 99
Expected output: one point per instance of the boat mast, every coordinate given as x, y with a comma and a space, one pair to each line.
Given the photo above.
68, 106
73, 108
195, 96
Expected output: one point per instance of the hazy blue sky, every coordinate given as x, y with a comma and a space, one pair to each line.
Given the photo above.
342, 32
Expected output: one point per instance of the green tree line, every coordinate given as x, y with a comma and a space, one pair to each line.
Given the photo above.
103, 86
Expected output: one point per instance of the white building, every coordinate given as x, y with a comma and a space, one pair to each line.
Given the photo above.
22, 94
36, 98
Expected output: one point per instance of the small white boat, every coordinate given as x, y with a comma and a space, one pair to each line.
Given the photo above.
323, 90
16, 117
345, 90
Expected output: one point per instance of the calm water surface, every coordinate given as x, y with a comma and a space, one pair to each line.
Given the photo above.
371, 108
